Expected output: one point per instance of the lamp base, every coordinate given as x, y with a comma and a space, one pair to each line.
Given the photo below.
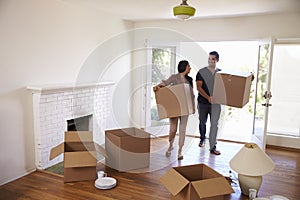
249, 182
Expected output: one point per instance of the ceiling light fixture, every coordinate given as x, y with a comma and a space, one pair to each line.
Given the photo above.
184, 11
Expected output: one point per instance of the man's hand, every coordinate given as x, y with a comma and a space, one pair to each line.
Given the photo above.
210, 100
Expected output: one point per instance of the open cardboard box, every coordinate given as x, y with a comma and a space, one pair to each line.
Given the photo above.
232, 89
127, 149
79, 155
174, 101
195, 182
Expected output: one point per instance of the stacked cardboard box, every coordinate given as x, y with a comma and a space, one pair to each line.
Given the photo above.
127, 149
195, 182
232, 89
79, 156
174, 101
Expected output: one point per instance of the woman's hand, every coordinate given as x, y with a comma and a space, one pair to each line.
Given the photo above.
156, 88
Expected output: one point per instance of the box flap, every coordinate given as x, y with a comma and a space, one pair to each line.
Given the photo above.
56, 151
212, 187
209, 173
173, 181
78, 136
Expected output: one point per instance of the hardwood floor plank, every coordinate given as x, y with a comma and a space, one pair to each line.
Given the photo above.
144, 184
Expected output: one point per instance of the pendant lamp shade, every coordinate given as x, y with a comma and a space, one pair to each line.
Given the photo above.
184, 11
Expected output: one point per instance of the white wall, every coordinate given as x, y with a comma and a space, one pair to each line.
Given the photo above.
43, 42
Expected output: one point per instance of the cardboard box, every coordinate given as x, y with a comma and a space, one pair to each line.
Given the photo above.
127, 149
174, 101
79, 155
232, 89
195, 182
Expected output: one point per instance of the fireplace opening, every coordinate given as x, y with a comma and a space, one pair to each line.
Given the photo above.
80, 124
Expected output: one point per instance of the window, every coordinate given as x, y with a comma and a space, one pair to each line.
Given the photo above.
163, 65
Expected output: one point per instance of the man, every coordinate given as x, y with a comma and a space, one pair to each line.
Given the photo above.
205, 84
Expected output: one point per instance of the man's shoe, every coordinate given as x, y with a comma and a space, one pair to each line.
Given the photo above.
201, 144
215, 151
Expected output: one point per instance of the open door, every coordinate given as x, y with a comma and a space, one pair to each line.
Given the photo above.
263, 93
161, 64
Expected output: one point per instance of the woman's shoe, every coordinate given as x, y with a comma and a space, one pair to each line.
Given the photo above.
180, 157
168, 153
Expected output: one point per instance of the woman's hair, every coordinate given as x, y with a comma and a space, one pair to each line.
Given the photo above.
182, 66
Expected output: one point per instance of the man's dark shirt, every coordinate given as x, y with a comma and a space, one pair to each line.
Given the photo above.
208, 80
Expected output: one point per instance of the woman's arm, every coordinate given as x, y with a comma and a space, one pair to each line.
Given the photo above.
164, 83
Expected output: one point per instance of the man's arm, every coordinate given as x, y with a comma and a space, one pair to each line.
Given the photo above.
202, 92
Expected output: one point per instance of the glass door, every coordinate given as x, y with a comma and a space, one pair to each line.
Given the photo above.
263, 93
162, 64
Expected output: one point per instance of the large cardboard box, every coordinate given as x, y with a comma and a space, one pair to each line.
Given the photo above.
232, 89
79, 155
174, 101
195, 182
127, 149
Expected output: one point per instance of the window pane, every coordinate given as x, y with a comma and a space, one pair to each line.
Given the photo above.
284, 114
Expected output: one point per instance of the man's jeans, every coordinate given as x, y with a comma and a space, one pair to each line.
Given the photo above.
213, 110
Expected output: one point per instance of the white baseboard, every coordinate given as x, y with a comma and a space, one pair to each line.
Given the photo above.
283, 141
17, 177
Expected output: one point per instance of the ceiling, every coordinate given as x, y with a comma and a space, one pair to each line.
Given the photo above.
141, 10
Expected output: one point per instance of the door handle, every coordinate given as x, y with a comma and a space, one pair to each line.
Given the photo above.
266, 104
267, 95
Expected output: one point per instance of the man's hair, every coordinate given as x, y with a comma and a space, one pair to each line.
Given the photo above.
214, 53
182, 66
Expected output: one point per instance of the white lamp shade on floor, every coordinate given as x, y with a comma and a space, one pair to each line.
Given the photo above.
251, 163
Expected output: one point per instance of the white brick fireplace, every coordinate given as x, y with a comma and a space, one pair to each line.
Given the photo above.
53, 106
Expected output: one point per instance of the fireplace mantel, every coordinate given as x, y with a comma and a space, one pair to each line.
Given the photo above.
55, 88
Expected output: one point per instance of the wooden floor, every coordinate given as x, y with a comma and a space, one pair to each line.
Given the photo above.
144, 185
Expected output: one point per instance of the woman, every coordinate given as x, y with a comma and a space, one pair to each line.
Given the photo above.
182, 77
